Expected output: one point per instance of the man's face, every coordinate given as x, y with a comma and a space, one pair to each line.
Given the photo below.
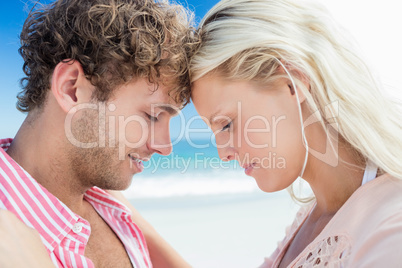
121, 133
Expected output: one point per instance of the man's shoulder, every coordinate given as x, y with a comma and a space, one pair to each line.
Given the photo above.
5, 159
5, 142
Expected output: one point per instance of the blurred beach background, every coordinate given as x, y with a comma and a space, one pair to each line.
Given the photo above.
212, 213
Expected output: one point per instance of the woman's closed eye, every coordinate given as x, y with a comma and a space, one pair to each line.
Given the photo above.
226, 127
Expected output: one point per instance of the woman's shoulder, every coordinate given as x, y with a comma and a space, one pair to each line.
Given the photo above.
370, 206
382, 195
376, 229
365, 232
370, 224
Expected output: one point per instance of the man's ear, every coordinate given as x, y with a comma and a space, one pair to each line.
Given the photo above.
69, 85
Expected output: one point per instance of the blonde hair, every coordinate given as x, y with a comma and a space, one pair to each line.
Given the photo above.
243, 39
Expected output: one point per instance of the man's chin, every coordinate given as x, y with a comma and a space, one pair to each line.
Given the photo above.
124, 185
116, 184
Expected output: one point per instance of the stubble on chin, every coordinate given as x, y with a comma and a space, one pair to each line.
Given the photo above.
98, 166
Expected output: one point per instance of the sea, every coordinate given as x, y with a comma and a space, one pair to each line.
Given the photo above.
192, 169
209, 210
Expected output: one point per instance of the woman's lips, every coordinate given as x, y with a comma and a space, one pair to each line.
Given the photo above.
249, 168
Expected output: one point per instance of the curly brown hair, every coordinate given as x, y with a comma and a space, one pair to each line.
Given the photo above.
113, 40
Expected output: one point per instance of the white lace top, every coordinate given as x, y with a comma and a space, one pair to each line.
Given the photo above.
365, 232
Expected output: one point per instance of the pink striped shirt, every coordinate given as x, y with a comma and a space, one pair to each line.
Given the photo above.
63, 232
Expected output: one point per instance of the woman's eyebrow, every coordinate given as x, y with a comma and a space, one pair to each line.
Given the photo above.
219, 118
213, 118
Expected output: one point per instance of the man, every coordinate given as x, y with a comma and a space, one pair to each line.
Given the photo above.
103, 78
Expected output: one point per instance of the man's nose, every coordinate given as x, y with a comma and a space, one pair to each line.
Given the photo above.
160, 142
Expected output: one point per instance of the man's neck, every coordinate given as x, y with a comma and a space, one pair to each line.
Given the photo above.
39, 150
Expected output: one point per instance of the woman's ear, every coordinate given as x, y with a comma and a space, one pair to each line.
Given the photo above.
69, 85
293, 75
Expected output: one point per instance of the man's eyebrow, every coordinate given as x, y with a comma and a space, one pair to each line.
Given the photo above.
171, 110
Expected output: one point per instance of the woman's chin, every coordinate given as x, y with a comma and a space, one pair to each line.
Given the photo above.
269, 187
271, 184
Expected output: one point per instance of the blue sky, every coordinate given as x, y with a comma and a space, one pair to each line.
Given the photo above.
374, 24
12, 17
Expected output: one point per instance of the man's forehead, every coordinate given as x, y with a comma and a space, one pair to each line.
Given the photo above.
162, 98
169, 108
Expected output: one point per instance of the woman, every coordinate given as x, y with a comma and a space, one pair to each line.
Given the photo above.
278, 78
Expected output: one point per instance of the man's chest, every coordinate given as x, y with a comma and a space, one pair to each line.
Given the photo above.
104, 248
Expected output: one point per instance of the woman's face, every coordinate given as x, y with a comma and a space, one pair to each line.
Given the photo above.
256, 125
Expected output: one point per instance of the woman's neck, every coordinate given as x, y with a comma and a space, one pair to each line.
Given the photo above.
335, 174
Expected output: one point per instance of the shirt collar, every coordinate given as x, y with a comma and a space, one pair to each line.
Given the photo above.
60, 220
33, 204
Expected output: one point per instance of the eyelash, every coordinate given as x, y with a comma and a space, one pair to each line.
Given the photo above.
152, 118
227, 126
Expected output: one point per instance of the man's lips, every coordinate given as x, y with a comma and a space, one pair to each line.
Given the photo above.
138, 162
136, 157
